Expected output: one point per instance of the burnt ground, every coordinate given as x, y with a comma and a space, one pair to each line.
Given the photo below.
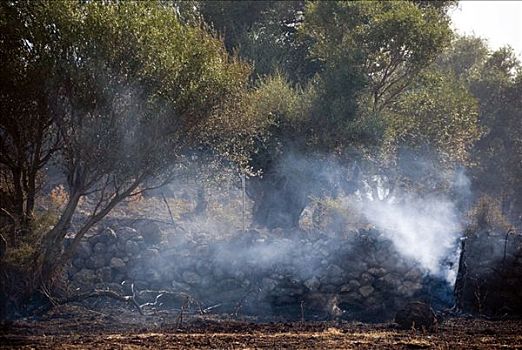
75, 327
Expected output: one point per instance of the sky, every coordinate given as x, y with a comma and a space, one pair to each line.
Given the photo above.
500, 22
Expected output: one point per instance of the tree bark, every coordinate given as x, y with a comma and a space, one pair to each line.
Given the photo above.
278, 201
48, 256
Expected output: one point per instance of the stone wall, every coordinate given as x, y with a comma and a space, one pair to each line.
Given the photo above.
263, 273
490, 274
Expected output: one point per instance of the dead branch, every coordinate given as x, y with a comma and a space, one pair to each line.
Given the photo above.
168, 207
101, 293
170, 213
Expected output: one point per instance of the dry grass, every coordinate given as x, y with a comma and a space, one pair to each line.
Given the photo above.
72, 328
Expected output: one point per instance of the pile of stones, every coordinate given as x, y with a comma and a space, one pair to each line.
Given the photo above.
292, 275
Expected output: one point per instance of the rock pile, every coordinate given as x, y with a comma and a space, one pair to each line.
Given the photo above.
360, 276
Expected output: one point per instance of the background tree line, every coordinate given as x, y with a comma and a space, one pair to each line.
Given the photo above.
115, 94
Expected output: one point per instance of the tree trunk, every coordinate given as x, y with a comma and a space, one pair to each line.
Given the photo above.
48, 258
278, 201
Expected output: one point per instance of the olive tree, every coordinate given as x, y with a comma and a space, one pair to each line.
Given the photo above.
130, 89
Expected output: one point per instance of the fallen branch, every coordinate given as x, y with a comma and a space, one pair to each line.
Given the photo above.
170, 213
101, 293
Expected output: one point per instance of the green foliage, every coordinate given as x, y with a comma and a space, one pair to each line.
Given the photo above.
285, 112
264, 33
464, 58
385, 44
493, 78
129, 89
436, 112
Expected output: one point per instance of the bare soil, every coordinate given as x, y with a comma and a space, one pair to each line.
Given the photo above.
75, 327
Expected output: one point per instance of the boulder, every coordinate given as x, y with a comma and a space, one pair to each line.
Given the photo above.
132, 248
84, 250
99, 248
268, 284
78, 263
191, 277
312, 283
125, 233
104, 274
107, 236
416, 315
151, 232
118, 264
366, 291
95, 262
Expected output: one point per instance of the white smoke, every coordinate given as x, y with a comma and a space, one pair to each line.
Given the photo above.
424, 229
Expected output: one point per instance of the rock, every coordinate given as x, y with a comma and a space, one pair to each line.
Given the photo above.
84, 250
107, 236
377, 272
416, 315
366, 291
151, 232
268, 284
95, 262
389, 281
112, 249
191, 277
99, 248
312, 283
366, 278
132, 248
78, 263
409, 288
350, 298
335, 273
117, 264
125, 233
414, 274
104, 274
354, 284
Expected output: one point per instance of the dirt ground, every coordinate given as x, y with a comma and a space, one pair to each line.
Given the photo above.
75, 327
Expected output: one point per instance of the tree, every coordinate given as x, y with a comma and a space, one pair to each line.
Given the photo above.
27, 135
264, 33
130, 89
278, 192
498, 154
386, 43
367, 54
431, 130
493, 78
